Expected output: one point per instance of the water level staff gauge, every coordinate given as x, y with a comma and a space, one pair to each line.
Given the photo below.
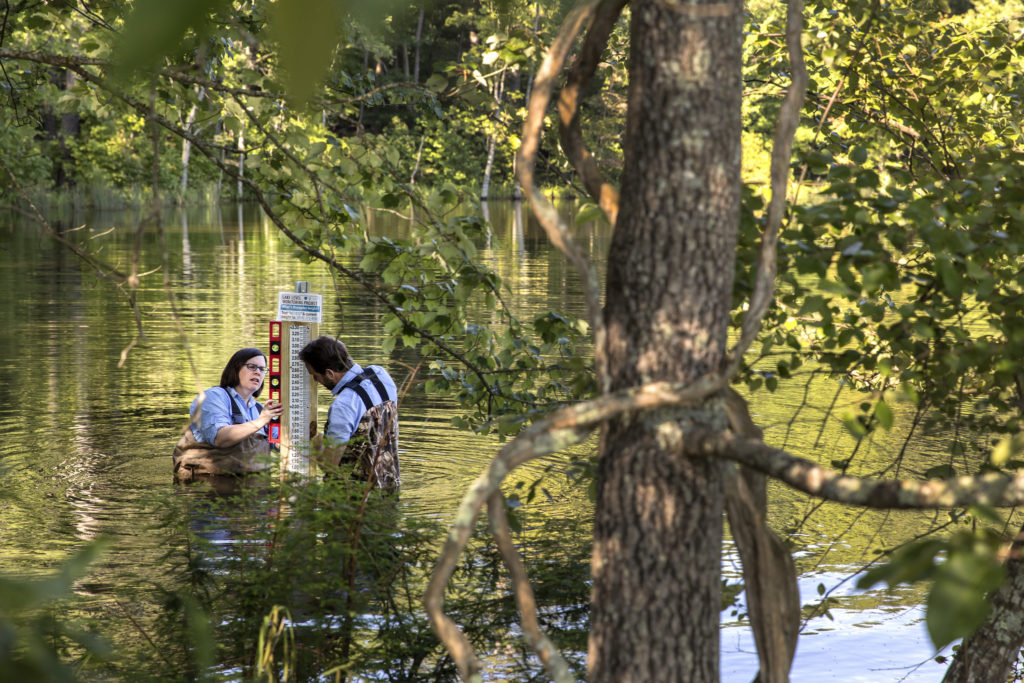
299, 315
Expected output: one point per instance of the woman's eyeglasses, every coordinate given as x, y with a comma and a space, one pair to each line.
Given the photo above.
256, 368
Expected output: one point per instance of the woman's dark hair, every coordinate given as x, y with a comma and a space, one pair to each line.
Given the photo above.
326, 353
229, 378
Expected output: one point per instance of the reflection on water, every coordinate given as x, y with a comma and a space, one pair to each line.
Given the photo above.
86, 443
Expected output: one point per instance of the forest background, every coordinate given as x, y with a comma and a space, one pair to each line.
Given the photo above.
905, 205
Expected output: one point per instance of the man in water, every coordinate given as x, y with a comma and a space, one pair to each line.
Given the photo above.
362, 422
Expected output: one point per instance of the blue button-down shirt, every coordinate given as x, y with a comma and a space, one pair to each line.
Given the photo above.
216, 413
348, 409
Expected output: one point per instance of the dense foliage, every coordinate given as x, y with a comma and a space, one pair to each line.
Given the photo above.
901, 269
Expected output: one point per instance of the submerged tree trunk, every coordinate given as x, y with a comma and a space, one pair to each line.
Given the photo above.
658, 527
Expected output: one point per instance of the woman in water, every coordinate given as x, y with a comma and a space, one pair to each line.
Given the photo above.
228, 430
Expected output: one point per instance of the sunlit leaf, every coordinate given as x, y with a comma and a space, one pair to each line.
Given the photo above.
883, 412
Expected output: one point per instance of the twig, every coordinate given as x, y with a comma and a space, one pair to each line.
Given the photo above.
145, 634
547, 215
782, 150
553, 661
582, 71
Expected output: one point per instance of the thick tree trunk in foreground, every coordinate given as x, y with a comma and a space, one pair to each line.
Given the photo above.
658, 528
989, 654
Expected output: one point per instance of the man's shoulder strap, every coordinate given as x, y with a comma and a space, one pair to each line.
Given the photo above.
368, 374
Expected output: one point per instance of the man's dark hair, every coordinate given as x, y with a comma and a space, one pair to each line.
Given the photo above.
229, 378
326, 353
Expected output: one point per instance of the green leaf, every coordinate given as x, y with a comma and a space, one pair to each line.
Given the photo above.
957, 603
913, 562
1007, 448
589, 213
855, 427
951, 278
884, 414
155, 29
437, 83
16, 595
953, 610
306, 32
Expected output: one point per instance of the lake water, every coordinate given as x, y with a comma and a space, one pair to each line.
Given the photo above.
87, 438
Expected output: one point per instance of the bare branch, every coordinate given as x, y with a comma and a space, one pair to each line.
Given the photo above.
104, 270
553, 661
547, 215
559, 430
782, 150
606, 196
855, 55
773, 597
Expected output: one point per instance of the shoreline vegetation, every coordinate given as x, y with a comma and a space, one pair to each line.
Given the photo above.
55, 202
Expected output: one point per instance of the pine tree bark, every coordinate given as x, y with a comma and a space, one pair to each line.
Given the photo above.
658, 525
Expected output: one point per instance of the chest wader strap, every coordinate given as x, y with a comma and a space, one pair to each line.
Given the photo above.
355, 385
236, 412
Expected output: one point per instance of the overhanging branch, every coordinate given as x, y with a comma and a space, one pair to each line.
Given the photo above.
992, 489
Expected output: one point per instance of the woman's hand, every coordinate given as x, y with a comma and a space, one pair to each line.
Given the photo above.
270, 410
232, 434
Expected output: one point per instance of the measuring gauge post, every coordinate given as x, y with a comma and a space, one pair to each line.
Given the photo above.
299, 315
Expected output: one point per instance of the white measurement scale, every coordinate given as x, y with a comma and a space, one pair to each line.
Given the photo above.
298, 400
299, 314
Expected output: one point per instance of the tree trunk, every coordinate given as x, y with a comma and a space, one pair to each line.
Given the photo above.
362, 103
498, 93
658, 522
419, 40
186, 144
186, 153
62, 128
419, 155
989, 654
240, 193
485, 185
